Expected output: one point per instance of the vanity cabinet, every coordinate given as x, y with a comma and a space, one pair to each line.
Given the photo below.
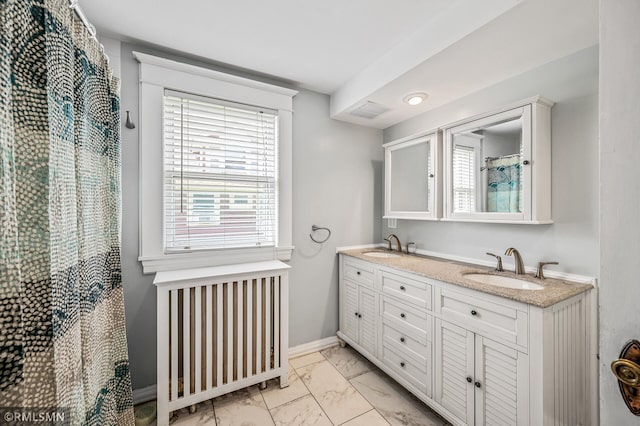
358, 313
474, 357
478, 380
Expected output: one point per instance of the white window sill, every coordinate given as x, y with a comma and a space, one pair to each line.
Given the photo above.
172, 262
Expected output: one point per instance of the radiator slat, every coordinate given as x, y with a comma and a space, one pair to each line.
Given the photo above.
240, 331
230, 331
250, 329
268, 325
186, 342
258, 331
174, 344
219, 344
197, 322
276, 323
209, 344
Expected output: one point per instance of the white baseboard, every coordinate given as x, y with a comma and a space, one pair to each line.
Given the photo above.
149, 393
315, 346
144, 395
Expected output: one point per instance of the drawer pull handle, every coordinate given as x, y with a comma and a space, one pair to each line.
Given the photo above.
402, 339
474, 313
358, 272
478, 385
402, 315
402, 364
469, 379
402, 288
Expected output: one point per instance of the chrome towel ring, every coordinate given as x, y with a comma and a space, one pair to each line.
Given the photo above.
315, 228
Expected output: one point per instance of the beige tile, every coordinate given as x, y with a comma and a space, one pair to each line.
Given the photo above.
203, 416
304, 411
301, 361
347, 361
370, 418
339, 400
242, 408
275, 396
394, 402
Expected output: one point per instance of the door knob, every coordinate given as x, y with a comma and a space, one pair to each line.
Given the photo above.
627, 371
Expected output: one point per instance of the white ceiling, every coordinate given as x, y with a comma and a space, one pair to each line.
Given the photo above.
362, 50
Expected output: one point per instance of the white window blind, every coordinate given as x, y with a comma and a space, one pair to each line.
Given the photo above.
219, 174
464, 185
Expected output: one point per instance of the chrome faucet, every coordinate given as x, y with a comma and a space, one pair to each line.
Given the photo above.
398, 245
519, 269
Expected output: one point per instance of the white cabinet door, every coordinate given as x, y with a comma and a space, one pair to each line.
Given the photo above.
349, 309
501, 383
454, 364
367, 315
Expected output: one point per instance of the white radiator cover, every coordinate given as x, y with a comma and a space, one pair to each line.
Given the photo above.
235, 321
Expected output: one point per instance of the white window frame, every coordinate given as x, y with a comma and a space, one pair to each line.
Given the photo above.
158, 74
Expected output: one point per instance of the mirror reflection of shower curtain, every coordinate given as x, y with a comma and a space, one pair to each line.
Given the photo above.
504, 185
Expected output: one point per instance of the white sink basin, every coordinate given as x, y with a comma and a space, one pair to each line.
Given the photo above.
381, 254
502, 281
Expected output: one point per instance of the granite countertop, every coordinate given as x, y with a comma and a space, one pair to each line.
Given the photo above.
453, 272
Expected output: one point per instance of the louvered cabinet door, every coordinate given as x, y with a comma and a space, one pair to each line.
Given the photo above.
367, 316
350, 310
502, 377
454, 364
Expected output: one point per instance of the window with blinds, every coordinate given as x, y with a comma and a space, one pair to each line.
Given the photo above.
219, 174
464, 185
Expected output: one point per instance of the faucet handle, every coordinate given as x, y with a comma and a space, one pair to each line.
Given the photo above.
499, 265
408, 244
541, 265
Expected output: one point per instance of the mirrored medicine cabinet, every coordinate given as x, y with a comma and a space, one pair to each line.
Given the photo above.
412, 177
495, 167
498, 165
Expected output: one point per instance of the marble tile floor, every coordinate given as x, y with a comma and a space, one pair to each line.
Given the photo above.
333, 387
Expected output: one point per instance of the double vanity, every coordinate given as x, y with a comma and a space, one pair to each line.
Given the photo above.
478, 346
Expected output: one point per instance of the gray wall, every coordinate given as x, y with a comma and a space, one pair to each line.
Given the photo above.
335, 166
572, 240
619, 195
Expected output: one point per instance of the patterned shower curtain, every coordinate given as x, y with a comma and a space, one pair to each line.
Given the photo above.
62, 330
504, 192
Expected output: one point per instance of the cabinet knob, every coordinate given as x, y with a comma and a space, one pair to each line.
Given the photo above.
356, 314
431, 175
402, 364
478, 385
358, 273
469, 379
402, 315
402, 288
474, 312
526, 162
402, 339
359, 316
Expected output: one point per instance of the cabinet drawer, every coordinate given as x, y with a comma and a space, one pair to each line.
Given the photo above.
412, 291
359, 272
418, 374
404, 318
416, 348
494, 320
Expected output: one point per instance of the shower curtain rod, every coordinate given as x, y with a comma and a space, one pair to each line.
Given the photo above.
497, 158
75, 5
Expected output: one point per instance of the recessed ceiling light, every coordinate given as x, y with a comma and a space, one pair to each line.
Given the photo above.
415, 98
